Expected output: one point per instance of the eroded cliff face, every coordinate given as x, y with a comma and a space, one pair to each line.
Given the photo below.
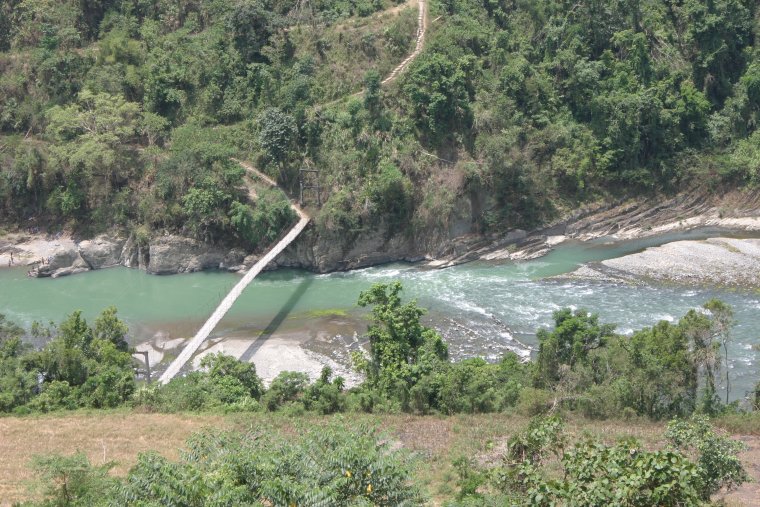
444, 245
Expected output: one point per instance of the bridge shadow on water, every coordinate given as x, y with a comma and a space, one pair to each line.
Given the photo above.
278, 319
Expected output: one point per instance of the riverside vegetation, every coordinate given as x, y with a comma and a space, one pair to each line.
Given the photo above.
583, 368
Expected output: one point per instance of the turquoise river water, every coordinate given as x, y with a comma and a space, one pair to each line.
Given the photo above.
480, 308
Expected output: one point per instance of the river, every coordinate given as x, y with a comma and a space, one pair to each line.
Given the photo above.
480, 308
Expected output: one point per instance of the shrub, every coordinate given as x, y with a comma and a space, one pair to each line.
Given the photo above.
286, 387
330, 465
718, 465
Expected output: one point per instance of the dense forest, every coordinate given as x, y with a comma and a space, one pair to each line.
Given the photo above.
125, 112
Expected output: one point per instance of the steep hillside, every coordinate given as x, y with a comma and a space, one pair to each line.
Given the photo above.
124, 114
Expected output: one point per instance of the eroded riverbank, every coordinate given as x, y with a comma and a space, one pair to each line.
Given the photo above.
735, 211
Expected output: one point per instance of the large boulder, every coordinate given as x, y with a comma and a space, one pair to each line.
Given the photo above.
174, 254
62, 257
64, 261
102, 252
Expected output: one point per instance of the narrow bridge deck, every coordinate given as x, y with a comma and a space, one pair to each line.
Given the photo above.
236, 291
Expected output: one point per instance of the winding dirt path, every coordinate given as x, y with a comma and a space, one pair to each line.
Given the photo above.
422, 25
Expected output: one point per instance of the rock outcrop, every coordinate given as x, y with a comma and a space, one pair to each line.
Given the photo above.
163, 255
175, 254
63, 261
456, 243
102, 252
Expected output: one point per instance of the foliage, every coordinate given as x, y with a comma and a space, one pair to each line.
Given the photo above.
71, 481
620, 474
286, 387
332, 465
655, 372
569, 344
401, 348
222, 382
718, 464
81, 366
109, 111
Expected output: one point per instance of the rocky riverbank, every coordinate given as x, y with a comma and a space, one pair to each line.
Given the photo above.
47, 256
734, 211
719, 262
322, 252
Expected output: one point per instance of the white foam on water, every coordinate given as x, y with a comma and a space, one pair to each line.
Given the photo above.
472, 307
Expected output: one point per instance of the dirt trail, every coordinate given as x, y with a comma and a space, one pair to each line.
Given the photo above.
422, 24
421, 29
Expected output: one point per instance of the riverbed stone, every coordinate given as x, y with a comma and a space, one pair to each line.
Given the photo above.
723, 262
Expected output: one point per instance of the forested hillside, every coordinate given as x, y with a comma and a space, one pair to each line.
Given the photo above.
125, 112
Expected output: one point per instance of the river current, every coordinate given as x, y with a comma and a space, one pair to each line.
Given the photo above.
482, 309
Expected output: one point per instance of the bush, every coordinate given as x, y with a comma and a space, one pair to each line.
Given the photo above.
330, 465
621, 474
286, 387
718, 464
223, 382
325, 396
72, 481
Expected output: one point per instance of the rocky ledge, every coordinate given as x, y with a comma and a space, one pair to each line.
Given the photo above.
164, 255
455, 243
722, 262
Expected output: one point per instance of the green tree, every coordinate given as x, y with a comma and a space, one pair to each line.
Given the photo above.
277, 135
251, 25
573, 337
108, 327
221, 366
401, 348
439, 91
722, 318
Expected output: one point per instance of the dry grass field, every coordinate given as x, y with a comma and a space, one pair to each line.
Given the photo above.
121, 435
104, 436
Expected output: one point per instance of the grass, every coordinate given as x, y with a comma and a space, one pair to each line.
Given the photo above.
741, 424
122, 434
346, 51
103, 435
